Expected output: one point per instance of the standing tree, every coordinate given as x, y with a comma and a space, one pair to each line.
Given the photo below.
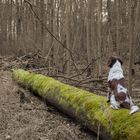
132, 5
100, 37
68, 40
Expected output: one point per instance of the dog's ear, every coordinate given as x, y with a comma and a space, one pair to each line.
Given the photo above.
111, 61
120, 61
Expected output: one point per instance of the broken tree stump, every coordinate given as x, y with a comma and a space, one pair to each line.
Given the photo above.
89, 109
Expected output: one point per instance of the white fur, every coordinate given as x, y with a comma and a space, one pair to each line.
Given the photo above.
114, 103
115, 72
120, 88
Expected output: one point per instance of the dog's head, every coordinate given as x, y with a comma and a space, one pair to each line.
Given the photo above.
112, 60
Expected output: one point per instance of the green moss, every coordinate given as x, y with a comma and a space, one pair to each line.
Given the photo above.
120, 125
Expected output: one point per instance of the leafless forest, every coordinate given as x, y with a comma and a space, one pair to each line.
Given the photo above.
70, 40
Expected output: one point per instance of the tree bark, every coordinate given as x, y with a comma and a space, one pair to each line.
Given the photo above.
131, 43
68, 39
99, 37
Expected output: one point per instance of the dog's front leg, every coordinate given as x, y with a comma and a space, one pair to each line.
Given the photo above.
114, 103
109, 94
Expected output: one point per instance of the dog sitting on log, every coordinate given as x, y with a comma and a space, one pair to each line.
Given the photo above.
118, 95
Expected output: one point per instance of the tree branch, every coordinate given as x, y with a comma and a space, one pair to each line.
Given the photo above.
46, 28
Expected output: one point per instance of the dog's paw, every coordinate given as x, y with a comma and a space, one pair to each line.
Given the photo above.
108, 101
134, 109
114, 107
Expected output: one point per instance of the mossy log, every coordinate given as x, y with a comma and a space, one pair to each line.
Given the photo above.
88, 108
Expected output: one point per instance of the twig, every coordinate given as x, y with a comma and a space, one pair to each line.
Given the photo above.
93, 61
34, 70
22, 56
60, 76
4, 78
44, 109
19, 59
91, 80
88, 80
88, 87
70, 52
98, 133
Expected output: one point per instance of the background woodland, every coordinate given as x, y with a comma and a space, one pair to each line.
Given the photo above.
71, 41
73, 37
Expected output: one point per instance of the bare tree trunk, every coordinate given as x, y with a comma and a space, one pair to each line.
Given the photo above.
93, 30
88, 31
42, 24
51, 24
99, 37
68, 5
117, 26
109, 38
18, 26
136, 30
10, 26
132, 5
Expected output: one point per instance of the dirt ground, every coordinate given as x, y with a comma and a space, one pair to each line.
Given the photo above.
31, 118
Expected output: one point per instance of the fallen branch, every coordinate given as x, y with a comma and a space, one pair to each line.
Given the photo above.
91, 80
61, 76
39, 69
93, 61
92, 88
86, 107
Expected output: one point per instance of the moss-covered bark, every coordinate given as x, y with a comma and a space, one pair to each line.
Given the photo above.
88, 108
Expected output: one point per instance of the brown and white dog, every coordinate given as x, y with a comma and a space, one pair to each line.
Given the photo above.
118, 95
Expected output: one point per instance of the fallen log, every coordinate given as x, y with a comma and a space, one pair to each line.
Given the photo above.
88, 108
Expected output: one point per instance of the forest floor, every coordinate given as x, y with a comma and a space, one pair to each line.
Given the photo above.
30, 118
